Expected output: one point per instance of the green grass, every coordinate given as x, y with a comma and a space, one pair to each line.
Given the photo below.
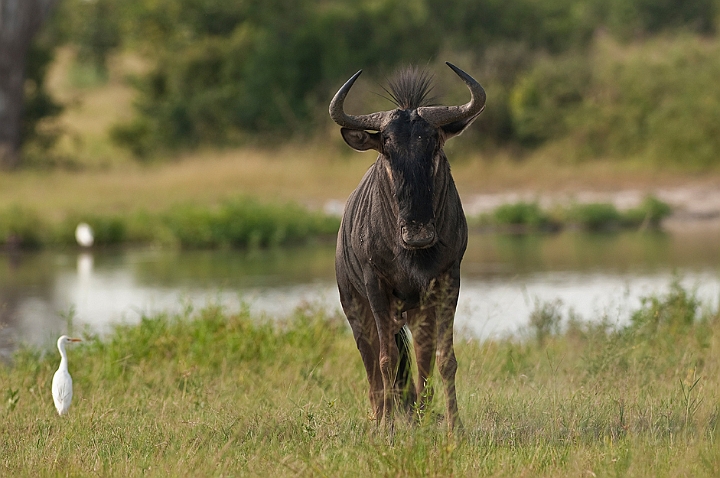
208, 393
521, 214
530, 217
248, 223
22, 227
241, 222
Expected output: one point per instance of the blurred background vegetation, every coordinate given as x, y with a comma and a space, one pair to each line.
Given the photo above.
583, 79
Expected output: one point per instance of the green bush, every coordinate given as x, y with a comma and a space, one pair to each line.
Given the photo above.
588, 216
22, 227
677, 309
247, 223
231, 72
543, 100
654, 101
594, 216
38, 106
192, 226
545, 319
650, 213
521, 214
241, 222
136, 135
107, 230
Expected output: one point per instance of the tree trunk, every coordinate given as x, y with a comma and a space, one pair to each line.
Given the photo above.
20, 20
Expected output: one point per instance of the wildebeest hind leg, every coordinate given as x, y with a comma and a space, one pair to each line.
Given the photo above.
404, 381
447, 297
447, 365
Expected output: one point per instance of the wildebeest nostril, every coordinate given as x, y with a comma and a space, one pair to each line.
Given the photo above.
418, 236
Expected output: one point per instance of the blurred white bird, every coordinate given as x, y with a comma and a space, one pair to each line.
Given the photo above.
84, 235
62, 381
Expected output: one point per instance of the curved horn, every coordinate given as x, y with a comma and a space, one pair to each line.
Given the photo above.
373, 121
442, 115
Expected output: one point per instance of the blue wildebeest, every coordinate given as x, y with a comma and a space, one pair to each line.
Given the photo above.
402, 238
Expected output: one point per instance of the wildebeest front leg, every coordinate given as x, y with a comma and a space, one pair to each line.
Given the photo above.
447, 297
387, 327
364, 331
424, 330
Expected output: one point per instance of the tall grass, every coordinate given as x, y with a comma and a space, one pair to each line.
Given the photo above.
248, 223
207, 393
529, 216
22, 227
240, 222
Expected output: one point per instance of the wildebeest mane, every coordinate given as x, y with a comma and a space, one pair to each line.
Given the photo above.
419, 266
410, 88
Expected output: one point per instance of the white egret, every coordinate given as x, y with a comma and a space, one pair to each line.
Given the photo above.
84, 235
62, 381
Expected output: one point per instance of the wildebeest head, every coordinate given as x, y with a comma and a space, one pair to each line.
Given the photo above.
410, 140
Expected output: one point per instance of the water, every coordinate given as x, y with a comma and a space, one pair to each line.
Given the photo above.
43, 295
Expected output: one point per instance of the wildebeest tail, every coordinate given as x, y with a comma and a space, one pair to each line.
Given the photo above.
403, 379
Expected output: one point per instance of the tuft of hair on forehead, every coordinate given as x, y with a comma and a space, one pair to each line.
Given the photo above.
410, 88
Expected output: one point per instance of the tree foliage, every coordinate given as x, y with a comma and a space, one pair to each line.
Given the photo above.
39, 103
656, 101
246, 67
19, 25
227, 70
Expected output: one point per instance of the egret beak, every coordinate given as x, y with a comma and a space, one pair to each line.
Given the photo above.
75, 340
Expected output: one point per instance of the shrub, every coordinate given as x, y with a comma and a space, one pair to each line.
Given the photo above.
543, 100
241, 222
192, 226
594, 216
107, 230
245, 222
22, 227
545, 319
654, 101
676, 310
650, 213
589, 216
521, 213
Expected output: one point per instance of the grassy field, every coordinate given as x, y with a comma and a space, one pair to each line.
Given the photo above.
211, 394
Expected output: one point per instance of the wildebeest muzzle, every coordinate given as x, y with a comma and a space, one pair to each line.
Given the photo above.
418, 236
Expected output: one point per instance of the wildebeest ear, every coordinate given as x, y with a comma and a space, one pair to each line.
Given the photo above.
361, 140
457, 127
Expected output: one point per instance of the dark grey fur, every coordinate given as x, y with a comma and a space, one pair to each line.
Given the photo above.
402, 238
